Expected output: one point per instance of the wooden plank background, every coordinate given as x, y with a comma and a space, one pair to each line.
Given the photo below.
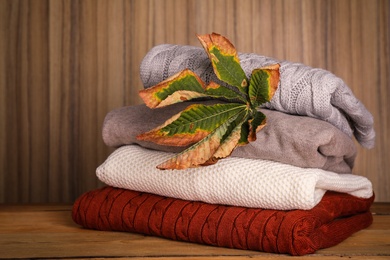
65, 64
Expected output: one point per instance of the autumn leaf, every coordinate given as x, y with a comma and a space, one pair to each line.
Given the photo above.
192, 124
182, 86
225, 61
212, 132
266, 76
202, 151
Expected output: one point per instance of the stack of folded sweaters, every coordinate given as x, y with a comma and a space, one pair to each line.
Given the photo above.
291, 191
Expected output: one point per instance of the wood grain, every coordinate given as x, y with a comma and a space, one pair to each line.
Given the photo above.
65, 64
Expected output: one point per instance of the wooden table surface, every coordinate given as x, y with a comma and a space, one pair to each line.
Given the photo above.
47, 231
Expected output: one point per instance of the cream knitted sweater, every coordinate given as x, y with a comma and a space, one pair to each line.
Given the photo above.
232, 181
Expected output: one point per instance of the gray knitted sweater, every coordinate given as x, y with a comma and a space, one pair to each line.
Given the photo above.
302, 90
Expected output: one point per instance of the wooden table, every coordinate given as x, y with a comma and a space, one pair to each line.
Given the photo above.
47, 231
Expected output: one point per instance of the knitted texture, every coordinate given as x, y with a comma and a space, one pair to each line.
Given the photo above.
296, 232
302, 90
297, 140
232, 181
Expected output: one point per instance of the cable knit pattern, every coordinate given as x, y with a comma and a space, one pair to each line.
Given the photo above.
302, 90
295, 232
232, 181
